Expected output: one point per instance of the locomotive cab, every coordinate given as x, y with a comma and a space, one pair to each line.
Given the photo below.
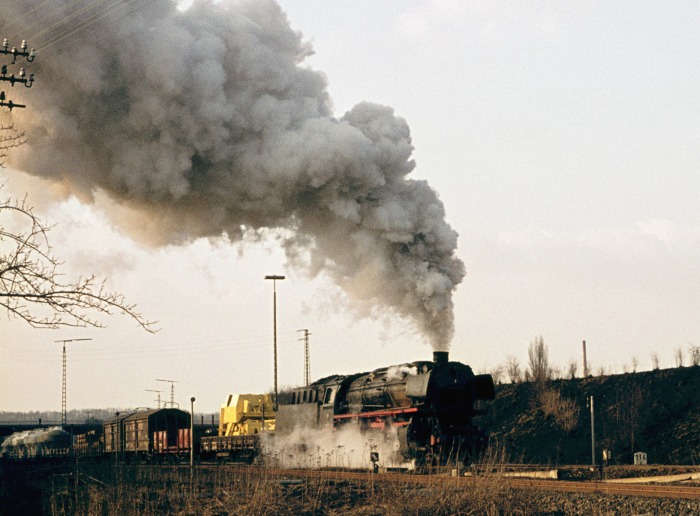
328, 406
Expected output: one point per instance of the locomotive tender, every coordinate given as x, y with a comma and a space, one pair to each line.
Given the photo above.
429, 404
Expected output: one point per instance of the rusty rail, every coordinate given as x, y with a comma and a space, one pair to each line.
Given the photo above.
639, 490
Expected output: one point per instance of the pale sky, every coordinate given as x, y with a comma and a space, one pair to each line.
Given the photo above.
563, 141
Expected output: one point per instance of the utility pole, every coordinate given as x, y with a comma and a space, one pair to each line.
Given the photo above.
307, 358
63, 385
29, 55
172, 390
592, 432
274, 279
152, 390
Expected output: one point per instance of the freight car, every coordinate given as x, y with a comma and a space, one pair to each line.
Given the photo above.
89, 444
430, 406
244, 418
156, 433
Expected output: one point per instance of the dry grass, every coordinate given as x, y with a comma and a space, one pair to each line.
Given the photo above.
225, 490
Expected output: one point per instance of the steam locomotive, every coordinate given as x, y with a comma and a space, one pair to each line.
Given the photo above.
430, 405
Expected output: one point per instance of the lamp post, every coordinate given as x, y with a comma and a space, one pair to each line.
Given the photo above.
274, 279
191, 431
590, 401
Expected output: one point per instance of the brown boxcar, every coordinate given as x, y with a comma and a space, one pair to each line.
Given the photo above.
114, 438
150, 432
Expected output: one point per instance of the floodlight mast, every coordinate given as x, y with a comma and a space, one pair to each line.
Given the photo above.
63, 385
274, 279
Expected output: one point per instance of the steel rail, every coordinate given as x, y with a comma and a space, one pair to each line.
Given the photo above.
639, 490
562, 486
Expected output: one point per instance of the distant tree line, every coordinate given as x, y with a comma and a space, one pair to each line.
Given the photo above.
76, 416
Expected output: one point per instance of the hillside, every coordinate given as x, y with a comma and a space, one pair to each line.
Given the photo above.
657, 412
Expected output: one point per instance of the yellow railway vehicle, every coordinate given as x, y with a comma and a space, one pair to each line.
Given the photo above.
243, 421
247, 414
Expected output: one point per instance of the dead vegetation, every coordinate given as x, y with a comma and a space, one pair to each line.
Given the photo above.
226, 490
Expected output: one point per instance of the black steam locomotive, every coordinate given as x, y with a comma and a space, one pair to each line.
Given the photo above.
429, 404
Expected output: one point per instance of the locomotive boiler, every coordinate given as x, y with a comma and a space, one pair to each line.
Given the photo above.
430, 405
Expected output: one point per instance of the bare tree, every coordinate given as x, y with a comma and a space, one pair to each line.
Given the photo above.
571, 368
31, 287
635, 364
538, 361
679, 357
694, 355
655, 360
497, 374
513, 370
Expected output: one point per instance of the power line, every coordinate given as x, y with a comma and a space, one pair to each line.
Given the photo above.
72, 24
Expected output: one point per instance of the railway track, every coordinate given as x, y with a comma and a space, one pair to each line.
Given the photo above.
645, 490
585, 487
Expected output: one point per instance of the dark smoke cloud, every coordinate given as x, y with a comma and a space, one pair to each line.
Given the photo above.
207, 123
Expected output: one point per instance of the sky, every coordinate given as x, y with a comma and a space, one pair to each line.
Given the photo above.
562, 140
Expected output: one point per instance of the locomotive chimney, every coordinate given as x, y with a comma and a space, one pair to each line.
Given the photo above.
441, 357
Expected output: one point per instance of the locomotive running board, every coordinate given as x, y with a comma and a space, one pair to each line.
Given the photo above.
383, 413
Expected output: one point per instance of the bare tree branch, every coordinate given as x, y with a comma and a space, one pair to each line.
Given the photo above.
9, 138
30, 281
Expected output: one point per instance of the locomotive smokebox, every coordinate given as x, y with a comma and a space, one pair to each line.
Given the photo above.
441, 357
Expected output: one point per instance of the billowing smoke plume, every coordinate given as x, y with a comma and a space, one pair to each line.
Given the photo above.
206, 122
